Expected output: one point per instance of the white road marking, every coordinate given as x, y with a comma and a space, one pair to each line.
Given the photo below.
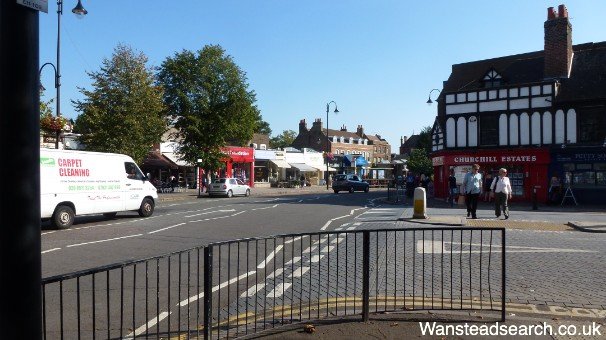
46, 233
327, 249
253, 290
299, 272
48, 251
172, 226
353, 227
294, 239
340, 217
101, 241
270, 257
439, 247
275, 273
184, 303
316, 258
210, 212
279, 290
273, 206
294, 260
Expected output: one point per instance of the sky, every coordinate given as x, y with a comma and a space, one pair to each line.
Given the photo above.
377, 59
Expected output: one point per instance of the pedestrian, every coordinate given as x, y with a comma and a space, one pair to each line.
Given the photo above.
486, 197
453, 190
502, 192
473, 187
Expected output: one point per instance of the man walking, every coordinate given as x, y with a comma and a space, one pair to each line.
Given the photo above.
502, 192
473, 186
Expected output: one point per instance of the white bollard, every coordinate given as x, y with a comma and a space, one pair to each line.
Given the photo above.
420, 204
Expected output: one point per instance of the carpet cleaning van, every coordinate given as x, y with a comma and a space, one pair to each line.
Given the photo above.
81, 183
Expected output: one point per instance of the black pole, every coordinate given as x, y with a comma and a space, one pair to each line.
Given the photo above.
534, 199
20, 264
58, 71
365, 275
327, 147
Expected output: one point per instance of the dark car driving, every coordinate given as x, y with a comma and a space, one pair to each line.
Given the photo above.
349, 183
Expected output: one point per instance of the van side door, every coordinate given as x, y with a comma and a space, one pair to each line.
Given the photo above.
133, 186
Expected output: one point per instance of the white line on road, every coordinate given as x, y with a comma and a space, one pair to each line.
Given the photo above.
439, 247
279, 290
299, 272
269, 257
275, 273
172, 226
253, 290
340, 217
294, 239
210, 212
48, 251
273, 206
101, 241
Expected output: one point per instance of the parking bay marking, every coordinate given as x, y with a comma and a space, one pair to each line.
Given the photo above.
439, 247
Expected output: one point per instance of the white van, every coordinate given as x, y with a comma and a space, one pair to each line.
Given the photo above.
80, 183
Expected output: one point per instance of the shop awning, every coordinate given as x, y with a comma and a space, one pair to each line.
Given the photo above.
280, 163
360, 161
330, 169
175, 159
303, 167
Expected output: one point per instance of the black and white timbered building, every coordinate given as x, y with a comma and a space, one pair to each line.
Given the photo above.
539, 114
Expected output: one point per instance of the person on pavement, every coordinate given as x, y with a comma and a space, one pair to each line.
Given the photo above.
502, 192
473, 187
452, 188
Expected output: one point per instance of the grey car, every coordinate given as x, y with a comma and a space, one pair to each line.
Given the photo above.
228, 187
349, 183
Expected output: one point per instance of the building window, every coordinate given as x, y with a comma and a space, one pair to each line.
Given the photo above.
263, 147
592, 126
489, 129
492, 79
254, 145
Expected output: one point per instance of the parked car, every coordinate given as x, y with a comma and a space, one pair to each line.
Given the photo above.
228, 187
349, 183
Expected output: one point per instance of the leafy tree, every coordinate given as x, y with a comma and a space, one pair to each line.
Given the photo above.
263, 127
123, 113
46, 107
208, 94
425, 139
419, 162
283, 140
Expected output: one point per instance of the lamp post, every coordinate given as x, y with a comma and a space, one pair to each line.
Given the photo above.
429, 101
79, 11
328, 138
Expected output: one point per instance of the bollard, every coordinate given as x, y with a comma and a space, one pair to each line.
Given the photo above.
420, 204
534, 199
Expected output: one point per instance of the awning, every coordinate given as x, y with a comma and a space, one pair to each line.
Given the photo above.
330, 169
175, 159
280, 163
360, 161
303, 167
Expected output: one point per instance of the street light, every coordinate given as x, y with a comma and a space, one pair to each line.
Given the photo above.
429, 101
79, 11
328, 138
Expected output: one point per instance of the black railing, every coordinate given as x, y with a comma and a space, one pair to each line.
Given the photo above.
240, 287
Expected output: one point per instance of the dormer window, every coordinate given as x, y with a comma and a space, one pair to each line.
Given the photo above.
492, 79
334, 139
342, 139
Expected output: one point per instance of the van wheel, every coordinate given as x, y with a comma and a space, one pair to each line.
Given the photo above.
351, 190
110, 214
229, 194
247, 193
147, 207
63, 217
366, 189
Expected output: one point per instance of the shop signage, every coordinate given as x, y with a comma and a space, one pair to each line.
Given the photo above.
495, 159
39, 5
437, 161
239, 154
581, 157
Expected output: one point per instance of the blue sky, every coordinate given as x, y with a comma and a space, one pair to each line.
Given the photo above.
377, 59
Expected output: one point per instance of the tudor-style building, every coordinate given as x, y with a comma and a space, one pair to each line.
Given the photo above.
539, 114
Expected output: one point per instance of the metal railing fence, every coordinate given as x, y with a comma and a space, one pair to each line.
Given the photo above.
241, 287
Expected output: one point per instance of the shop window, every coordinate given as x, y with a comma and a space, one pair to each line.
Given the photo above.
592, 126
568, 166
489, 130
583, 178
600, 178
599, 166
583, 166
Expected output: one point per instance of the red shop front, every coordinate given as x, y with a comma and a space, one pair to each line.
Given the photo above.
526, 169
239, 163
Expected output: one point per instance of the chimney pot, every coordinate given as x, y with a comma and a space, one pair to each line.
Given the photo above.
551, 13
562, 11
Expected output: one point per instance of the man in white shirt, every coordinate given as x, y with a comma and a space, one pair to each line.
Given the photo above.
502, 192
472, 184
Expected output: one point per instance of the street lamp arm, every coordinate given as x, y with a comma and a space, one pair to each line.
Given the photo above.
328, 138
429, 101
54, 69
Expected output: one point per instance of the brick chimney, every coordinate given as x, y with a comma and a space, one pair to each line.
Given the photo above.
558, 43
343, 128
360, 131
317, 125
302, 126
403, 140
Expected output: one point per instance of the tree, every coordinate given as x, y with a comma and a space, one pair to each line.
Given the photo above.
123, 113
263, 127
283, 140
419, 162
209, 96
45, 107
425, 139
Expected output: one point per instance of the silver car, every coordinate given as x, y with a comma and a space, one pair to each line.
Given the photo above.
228, 187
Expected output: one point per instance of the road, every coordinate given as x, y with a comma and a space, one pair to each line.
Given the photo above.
543, 268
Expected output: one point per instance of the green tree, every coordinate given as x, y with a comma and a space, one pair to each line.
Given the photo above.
425, 139
283, 140
419, 162
123, 113
208, 94
45, 106
263, 127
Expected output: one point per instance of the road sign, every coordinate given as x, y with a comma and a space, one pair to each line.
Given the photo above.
39, 5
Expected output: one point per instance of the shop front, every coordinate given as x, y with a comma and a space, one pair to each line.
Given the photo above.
239, 163
526, 168
579, 171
